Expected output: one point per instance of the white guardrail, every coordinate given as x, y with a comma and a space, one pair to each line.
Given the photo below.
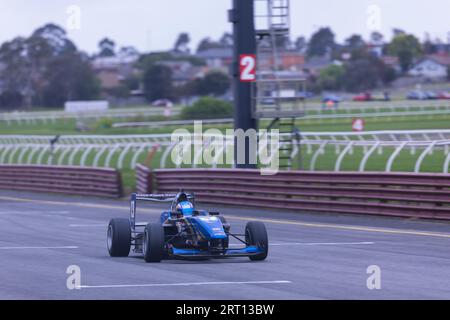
315, 110
125, 151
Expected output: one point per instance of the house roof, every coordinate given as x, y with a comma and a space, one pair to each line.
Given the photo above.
441, 59
317, 62
216, 53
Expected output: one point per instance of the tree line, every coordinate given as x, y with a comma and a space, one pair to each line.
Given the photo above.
46, 69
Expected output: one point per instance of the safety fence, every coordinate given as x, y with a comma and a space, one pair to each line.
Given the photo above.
391, 194
313, 110
419, 150
62, 179
47, 117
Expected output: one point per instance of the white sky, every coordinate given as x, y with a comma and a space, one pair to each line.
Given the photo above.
155, 24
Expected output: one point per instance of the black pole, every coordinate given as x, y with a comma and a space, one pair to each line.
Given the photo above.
242, 17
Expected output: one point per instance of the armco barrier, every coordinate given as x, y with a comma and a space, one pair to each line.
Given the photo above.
393, 194
143, 179
62, 179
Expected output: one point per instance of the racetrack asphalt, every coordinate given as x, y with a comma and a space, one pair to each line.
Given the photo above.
311, 256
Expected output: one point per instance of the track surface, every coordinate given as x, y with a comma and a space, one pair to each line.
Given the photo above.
310, 256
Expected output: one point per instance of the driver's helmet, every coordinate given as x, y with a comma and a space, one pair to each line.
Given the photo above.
185, 207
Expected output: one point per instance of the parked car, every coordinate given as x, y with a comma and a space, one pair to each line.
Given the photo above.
431, 95
417, 95
444, 95
162, 103
268, 101
305, 95
365, 96
332, 98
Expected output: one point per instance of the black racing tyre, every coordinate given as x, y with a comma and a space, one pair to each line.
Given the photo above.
153, 242
256, 235
119, 237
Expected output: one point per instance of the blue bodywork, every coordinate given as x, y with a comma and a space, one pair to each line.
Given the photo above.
206, 228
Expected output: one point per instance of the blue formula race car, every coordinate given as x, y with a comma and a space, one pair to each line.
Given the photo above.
183, 232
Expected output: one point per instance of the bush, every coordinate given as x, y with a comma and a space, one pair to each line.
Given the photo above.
104, 123
207, 108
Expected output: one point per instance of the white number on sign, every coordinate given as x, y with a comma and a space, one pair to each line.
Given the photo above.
248, 65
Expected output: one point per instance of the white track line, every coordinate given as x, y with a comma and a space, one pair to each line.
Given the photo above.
187, 284
310, 244
320, 243
19, 248
87, 225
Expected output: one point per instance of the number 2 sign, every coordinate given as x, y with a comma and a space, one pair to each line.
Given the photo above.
247, 66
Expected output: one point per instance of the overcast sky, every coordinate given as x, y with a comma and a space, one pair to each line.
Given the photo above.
155, 24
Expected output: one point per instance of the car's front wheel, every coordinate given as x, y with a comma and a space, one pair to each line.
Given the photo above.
256, 235
153, 243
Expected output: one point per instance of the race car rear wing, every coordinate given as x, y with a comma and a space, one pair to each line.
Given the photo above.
162, 198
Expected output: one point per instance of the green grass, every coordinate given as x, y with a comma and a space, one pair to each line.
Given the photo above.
68, 127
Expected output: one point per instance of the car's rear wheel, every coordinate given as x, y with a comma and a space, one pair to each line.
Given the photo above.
153, 243
256, 235
119, 237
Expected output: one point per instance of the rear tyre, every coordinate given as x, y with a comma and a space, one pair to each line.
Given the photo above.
153, 243
256, 235
119, 237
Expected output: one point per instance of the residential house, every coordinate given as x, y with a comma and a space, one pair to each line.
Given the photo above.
393, 62
111, 71
217, 58
316, 64
431, 67
184, 72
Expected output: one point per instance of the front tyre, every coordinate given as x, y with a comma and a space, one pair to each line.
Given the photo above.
256, 235
153, 243
119, 237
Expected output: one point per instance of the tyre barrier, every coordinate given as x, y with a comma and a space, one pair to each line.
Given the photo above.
143, 179
85, 181
392, 194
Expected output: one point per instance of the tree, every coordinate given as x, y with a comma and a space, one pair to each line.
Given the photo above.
69, 77
107, 48
157, 81
355, 42
300, 44
226, 40
321, 43
26, 61
406, 48
15, 73
360, 75
330, 78
376, 37
214, 83
56, 38
182, 43
206, 44
448, 73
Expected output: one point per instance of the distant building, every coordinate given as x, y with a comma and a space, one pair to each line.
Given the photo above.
217, 58
316, 64
112, 70
433, 66
184, 72
393, 62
